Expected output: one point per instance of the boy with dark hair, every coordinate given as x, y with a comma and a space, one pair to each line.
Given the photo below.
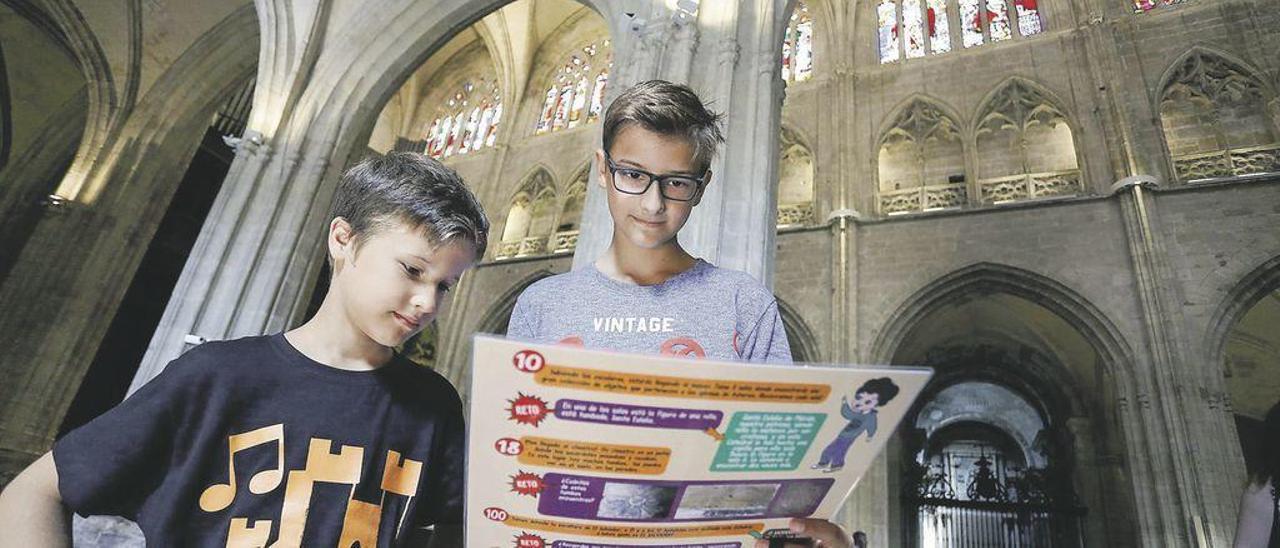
646, 294
319, 436
862, 418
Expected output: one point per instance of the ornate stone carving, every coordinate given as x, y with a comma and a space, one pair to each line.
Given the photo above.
533, 245
795, 214
925, 198
565, 241
1211, 78
1029, 186
922, 121
1228, 163
1017, 105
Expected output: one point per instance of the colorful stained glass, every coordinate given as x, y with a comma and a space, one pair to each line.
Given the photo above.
574, 89
913, 25
579, 102
939, 29
998, 20
971, 23
482, 132
492, 135
548, 110
804, 48
597, 96
562, 109
1028, 17
887, 14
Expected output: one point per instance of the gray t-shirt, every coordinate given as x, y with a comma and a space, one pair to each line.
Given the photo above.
703, 312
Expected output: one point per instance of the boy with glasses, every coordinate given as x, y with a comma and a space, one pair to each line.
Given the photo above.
646, 294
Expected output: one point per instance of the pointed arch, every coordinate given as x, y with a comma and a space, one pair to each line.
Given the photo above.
796, 177
804, 345
1026, 144
1253, 287
920, 158
496, 318
1213, 113
984, 277
531, 215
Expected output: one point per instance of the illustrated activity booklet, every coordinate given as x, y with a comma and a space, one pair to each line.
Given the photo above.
575, 448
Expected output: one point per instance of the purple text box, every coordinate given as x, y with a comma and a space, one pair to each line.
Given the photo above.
570, 544
664, 501
637, 415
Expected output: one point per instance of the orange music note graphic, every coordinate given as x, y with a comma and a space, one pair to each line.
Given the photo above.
219, 495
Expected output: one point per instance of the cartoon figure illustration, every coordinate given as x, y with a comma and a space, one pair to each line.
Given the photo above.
862, 418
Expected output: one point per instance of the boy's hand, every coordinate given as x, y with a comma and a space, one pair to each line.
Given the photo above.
824, 534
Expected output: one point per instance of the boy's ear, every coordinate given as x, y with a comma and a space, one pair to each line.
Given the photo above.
602, 170
341, 240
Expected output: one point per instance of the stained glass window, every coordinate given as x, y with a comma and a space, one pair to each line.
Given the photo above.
1148, 5
998, 20
1028, 17
597, 96
576, 93
913, 24
887, 14
797, 46
467, 121
981, 21
939, 30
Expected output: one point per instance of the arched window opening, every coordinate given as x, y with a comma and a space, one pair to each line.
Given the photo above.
575, 95
797, 46
926, 27
566, 236
530, 219
921, 162
1213, 113
795, 183
466, 120
981, 472
1026, 149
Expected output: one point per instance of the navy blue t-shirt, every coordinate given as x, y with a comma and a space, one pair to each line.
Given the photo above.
249, 442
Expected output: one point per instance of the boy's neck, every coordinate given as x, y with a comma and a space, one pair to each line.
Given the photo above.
630, 264
330, 339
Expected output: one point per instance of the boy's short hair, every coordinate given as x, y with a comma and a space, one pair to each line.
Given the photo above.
668, 109
882, 387
414, 189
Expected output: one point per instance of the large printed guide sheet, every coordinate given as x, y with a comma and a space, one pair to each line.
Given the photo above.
572, 448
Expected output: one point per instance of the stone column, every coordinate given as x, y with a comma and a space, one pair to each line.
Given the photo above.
1191, 499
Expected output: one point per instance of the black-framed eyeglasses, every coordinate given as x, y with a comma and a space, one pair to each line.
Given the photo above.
629, 180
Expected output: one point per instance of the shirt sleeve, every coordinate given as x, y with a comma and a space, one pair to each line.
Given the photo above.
111, 465
767, 340
523, 322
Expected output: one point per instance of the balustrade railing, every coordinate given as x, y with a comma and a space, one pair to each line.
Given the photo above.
1029, 186
1228, 163
924, 198
795, 214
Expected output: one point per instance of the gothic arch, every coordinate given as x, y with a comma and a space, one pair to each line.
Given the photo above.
909, 102
920, 144
1246, 70
985, 277
1263, 279
1013, 110
804, 345
496, 318
1213, 111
